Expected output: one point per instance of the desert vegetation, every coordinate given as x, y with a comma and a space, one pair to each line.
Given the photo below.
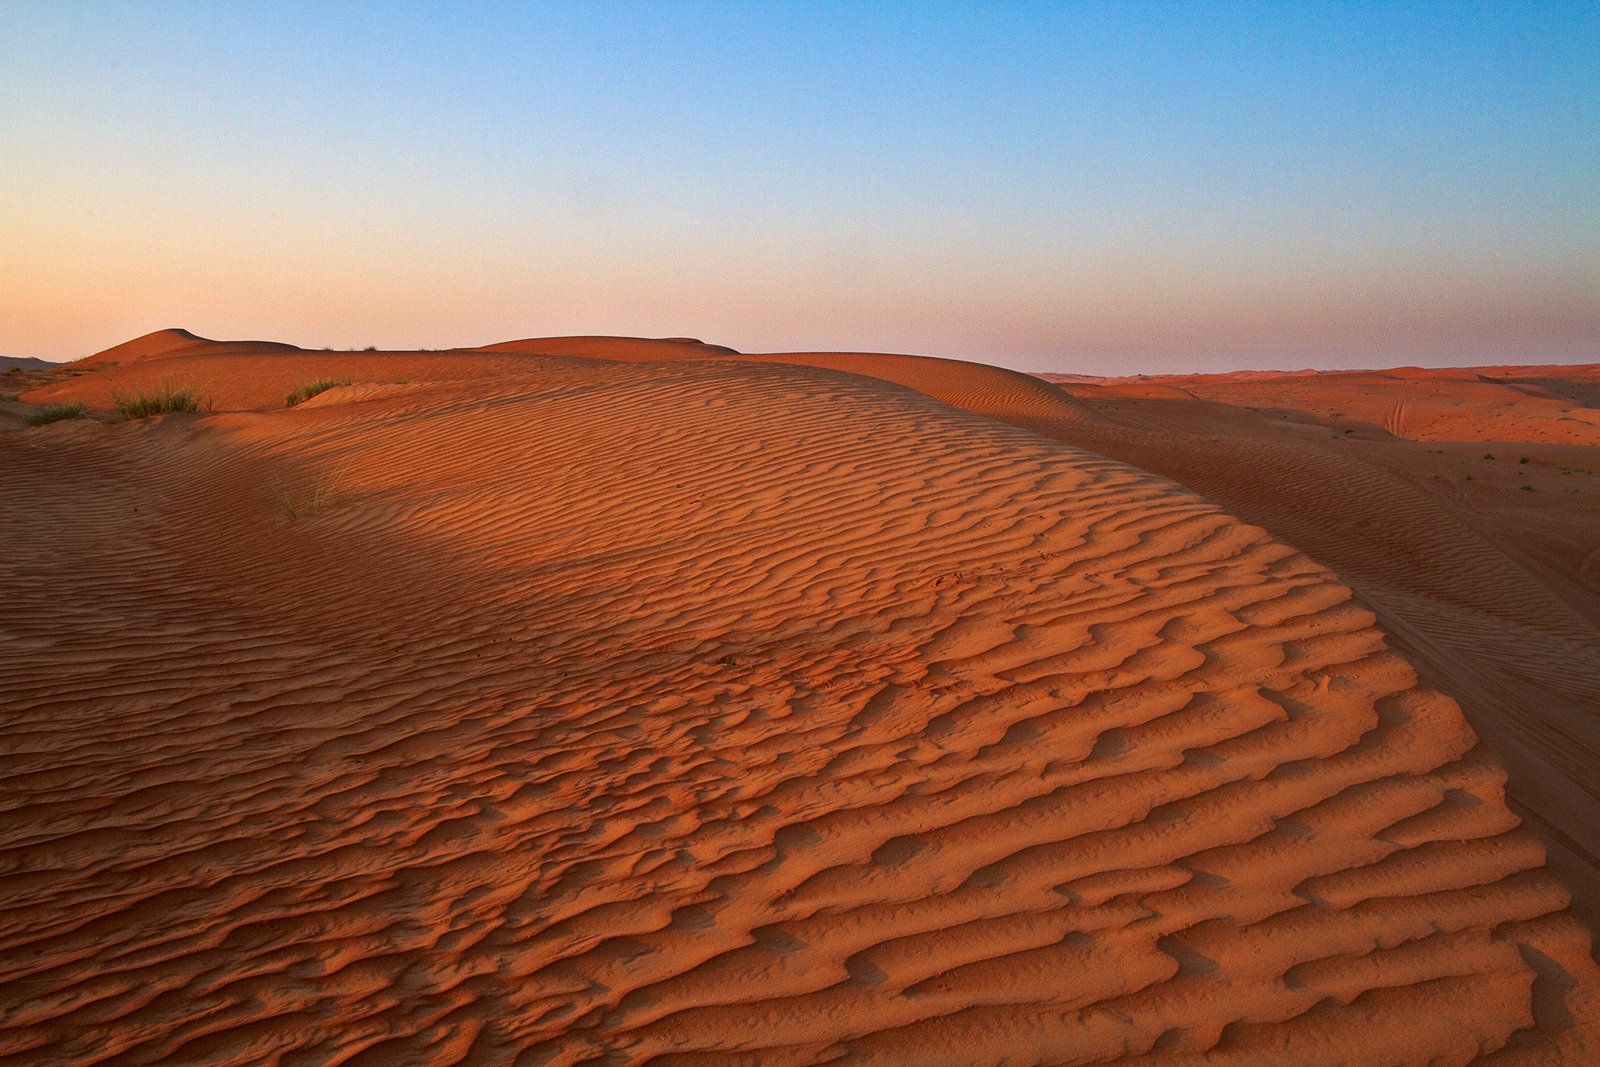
311, 389
57, 412
311, 496
167, 399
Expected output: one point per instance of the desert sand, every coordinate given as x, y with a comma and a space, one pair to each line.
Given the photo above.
606, 700
1463, 506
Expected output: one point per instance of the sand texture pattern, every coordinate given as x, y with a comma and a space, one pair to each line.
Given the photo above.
547, 709
1481, 555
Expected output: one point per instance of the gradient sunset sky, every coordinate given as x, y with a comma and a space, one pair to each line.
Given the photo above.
1105, 188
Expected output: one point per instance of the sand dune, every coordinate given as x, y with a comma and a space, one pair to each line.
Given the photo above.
977, 387
1481, 558
503, 707
613, 348
252, 375
176, 341
1553, 405
21, 364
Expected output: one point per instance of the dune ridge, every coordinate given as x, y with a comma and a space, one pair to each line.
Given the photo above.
717, 710
174, 341
1479, 556
994, 392
613, 348
1551, 404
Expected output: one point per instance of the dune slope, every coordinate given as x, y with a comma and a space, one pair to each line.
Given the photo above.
1479, 557
629, 349
251, 375
718, 711
1553, 405
991, 391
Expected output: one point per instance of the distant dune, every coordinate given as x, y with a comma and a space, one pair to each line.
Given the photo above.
166, 343
23, 363
636, 701
612, 348
1552, 405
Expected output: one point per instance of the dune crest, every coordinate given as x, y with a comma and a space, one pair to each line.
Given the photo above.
979, 387
623, 348
158, 343
720, 711
171, 342
1479, 555
1551, 405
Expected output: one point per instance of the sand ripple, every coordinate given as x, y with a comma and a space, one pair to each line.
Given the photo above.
720, 712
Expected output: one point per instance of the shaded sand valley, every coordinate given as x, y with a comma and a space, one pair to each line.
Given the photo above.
594, 700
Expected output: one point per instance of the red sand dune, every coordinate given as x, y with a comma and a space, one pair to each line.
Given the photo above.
631, 349
1553, 405
166, 343
550, 709
1481, 557
992, 391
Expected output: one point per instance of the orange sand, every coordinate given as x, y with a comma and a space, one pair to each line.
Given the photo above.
1483, 565
1554, 405
506, 707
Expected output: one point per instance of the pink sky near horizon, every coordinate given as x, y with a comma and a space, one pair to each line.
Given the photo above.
1123, 310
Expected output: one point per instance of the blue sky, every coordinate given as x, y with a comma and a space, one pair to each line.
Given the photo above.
1098, 187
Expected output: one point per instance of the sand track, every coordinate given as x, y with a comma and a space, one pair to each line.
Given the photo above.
562, 711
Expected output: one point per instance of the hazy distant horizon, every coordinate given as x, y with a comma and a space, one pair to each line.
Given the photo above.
1093, 188
1106, 365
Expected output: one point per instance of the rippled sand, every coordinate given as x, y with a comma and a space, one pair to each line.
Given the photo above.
685, 707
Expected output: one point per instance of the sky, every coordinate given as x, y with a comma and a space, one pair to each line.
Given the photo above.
1104, 188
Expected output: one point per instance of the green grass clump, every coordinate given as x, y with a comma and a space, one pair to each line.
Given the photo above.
8, 397
166, 400
57, 412
306, 392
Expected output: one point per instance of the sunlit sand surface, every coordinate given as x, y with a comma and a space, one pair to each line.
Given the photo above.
596, 700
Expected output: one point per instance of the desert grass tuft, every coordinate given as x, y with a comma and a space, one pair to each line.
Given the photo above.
311, 389
316, 495
166, 400
57, 412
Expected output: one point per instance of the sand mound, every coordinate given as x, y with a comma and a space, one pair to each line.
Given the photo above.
159, 343
719, 711
993, 391
254, 376
22, 364
171, 342
1420, 404
1479, 557
616, 348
